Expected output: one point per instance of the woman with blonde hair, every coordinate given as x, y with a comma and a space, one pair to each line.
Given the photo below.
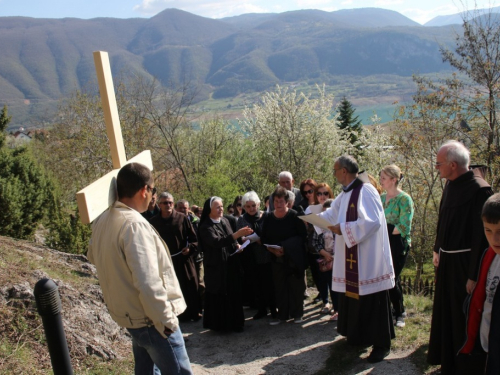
398, 209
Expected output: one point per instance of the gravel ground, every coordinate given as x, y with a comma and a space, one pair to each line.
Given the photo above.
283, 349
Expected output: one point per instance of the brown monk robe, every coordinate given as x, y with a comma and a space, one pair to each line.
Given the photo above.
178, 233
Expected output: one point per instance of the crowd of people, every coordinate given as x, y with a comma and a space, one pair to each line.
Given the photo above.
257, 254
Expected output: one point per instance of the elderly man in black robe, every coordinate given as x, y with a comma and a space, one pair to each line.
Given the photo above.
460, 243
177, 231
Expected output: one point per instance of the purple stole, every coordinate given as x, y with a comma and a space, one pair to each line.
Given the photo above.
351, 253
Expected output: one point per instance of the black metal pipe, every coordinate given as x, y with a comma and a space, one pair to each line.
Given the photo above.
48, 305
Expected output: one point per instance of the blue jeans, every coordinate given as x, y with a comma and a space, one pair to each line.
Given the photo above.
154, 353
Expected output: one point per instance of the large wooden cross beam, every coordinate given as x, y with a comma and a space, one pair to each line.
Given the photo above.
98, 196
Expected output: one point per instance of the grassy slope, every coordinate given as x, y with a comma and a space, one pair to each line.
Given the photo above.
22, 342
23, 348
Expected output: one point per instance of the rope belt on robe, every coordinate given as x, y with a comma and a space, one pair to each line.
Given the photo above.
455, 251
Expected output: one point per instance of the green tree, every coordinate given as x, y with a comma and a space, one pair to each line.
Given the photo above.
67, 233
165, 111
349, 123
79, 144
4, 121
477, 55
418, 131
191, 159
289, 130
27, 194
471, 98
462, 106
221, 162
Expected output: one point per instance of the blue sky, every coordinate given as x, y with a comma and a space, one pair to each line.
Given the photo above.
418, 10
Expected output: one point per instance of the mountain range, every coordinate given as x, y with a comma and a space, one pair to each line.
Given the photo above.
43, 60
457, 19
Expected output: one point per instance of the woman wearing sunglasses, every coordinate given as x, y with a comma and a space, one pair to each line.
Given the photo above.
307, 191
323, 247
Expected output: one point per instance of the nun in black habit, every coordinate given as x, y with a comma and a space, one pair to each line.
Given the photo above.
223, 273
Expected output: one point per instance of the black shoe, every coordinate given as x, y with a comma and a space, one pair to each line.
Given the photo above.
197, 317
238, 329
259, 315
378, 354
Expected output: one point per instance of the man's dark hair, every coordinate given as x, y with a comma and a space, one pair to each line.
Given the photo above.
491, 209
132, 178
280, 192
349, 163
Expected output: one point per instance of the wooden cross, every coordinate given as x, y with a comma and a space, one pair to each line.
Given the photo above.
351, 262
98, 196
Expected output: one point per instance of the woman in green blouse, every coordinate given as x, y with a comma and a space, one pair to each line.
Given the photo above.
398, 208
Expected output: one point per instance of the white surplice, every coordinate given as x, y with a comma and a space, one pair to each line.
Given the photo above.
369, 232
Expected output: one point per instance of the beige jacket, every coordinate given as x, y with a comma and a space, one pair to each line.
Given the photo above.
135, 270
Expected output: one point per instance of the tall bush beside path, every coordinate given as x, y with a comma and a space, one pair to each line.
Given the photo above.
27, 194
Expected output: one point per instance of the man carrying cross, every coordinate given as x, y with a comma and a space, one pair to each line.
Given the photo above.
137, 276
133, 264
362, 271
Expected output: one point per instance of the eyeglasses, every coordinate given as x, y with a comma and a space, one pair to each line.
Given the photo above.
152, 190
440, 164
166, 202
238, 205
325, 193
310, 191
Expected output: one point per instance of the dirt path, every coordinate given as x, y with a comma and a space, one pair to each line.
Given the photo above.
261, 349
284, 349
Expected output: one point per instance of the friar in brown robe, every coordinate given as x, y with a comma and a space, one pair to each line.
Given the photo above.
177, 231
460, 242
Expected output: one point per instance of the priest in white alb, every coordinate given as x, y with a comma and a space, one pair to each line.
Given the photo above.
362, 270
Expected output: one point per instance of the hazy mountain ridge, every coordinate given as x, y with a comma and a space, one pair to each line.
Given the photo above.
43, 60
457, 19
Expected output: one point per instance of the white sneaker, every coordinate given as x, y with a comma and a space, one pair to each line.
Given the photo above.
298, 320
400, 322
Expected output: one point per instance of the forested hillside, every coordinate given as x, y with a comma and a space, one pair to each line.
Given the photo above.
44, 60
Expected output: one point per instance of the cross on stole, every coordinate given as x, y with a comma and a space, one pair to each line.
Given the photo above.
351, 262
98, 196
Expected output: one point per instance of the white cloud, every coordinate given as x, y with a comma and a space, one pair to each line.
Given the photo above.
384, 3
325, 5
214, 9
313, 4
422, 16
420, 11
229, 9
151, 7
